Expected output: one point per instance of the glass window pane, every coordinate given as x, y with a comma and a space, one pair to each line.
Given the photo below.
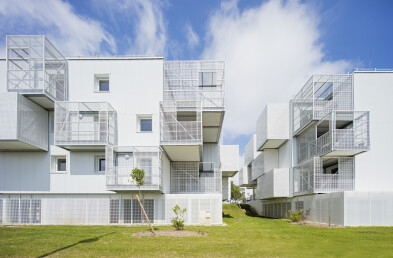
61, 164
104, 85
102, 165
146, 125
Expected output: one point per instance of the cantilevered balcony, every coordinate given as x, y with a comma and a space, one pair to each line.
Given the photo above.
85, 125
181, 130
229, 157
198, 81
245, 177
264, 162
23, 124
324, 175
343, 133
273, 184
195, 177
36, 69
318, 97
273, 126
121, 160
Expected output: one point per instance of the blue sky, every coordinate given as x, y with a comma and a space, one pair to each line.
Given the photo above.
270, 47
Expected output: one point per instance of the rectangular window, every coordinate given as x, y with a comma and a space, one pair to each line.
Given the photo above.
101, 164
207, 79
103, 85
61, 165
144, 123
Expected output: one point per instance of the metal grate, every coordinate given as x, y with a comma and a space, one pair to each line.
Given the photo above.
195, 81
35, 66
85, 123
137, 214
195, 177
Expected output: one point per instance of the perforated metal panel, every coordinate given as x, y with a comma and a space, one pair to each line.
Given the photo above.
195, 81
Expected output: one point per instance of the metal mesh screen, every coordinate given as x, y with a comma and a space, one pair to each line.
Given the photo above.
258, 166
249, 151
262, 128
181, 122
276, 209
195, 177
121, 160
35, 66
85, 123
319, 96
195, 81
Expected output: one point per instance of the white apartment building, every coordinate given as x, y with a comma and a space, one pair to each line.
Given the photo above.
72, 129
327, 150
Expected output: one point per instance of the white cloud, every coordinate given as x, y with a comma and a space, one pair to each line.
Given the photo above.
192, 37
72, 34
269, 53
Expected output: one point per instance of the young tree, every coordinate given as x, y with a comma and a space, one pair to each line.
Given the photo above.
236, 195
138, 175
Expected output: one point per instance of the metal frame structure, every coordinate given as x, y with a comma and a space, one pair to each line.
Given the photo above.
195, 177
85, 124
35, 66
195, 81
121, 160
319, 96
181, 122
313, 177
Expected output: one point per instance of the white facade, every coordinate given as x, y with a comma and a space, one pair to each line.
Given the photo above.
74, 165
333, 159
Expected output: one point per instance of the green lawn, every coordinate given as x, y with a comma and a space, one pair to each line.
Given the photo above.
252, 237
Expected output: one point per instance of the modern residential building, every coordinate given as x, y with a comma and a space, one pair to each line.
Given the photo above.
326, 151
73, 128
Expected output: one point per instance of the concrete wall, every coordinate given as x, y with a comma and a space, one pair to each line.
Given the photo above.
373, 92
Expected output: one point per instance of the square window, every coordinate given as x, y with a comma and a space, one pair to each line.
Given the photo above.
103, 85
146, 125
101, 164
61, 165
207, 79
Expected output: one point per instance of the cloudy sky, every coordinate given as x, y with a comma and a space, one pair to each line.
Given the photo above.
270, 47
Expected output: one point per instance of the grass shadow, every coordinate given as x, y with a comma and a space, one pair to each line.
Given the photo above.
84, 241
227, 215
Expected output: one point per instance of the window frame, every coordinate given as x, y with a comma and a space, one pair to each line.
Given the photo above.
101, 77
139, 121
57, 164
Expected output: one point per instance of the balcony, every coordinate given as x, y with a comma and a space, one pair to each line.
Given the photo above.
201, 81
273, 184
250, 151
23, 124
324, 175
181, 130
36, 69
121, 160
229, 157
245, 177
318, 97
264, 162
273, 126
343, 133
85, 125
195, 177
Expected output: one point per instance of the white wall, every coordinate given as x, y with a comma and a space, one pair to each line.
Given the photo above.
3, 76
373, 92
135, 89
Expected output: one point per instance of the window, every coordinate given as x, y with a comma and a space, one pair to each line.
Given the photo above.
61, 165
100, 163
101, 83
145, 123
207, 79
104, 85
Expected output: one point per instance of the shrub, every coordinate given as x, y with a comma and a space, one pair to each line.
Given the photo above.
305, 216
296, 216
178, 221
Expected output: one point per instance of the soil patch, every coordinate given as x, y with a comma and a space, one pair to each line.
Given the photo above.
320, 225
169, 233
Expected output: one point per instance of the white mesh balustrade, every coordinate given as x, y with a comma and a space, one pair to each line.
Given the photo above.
319, 96
121, 160
85, 123
195, 81
181, 122
195, 177
34, 66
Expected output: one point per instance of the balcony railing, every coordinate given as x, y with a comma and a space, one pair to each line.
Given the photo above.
195, 81
121, 160
85, 123
35, 66
195, 177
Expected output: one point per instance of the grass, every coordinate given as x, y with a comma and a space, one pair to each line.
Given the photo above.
243, 236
